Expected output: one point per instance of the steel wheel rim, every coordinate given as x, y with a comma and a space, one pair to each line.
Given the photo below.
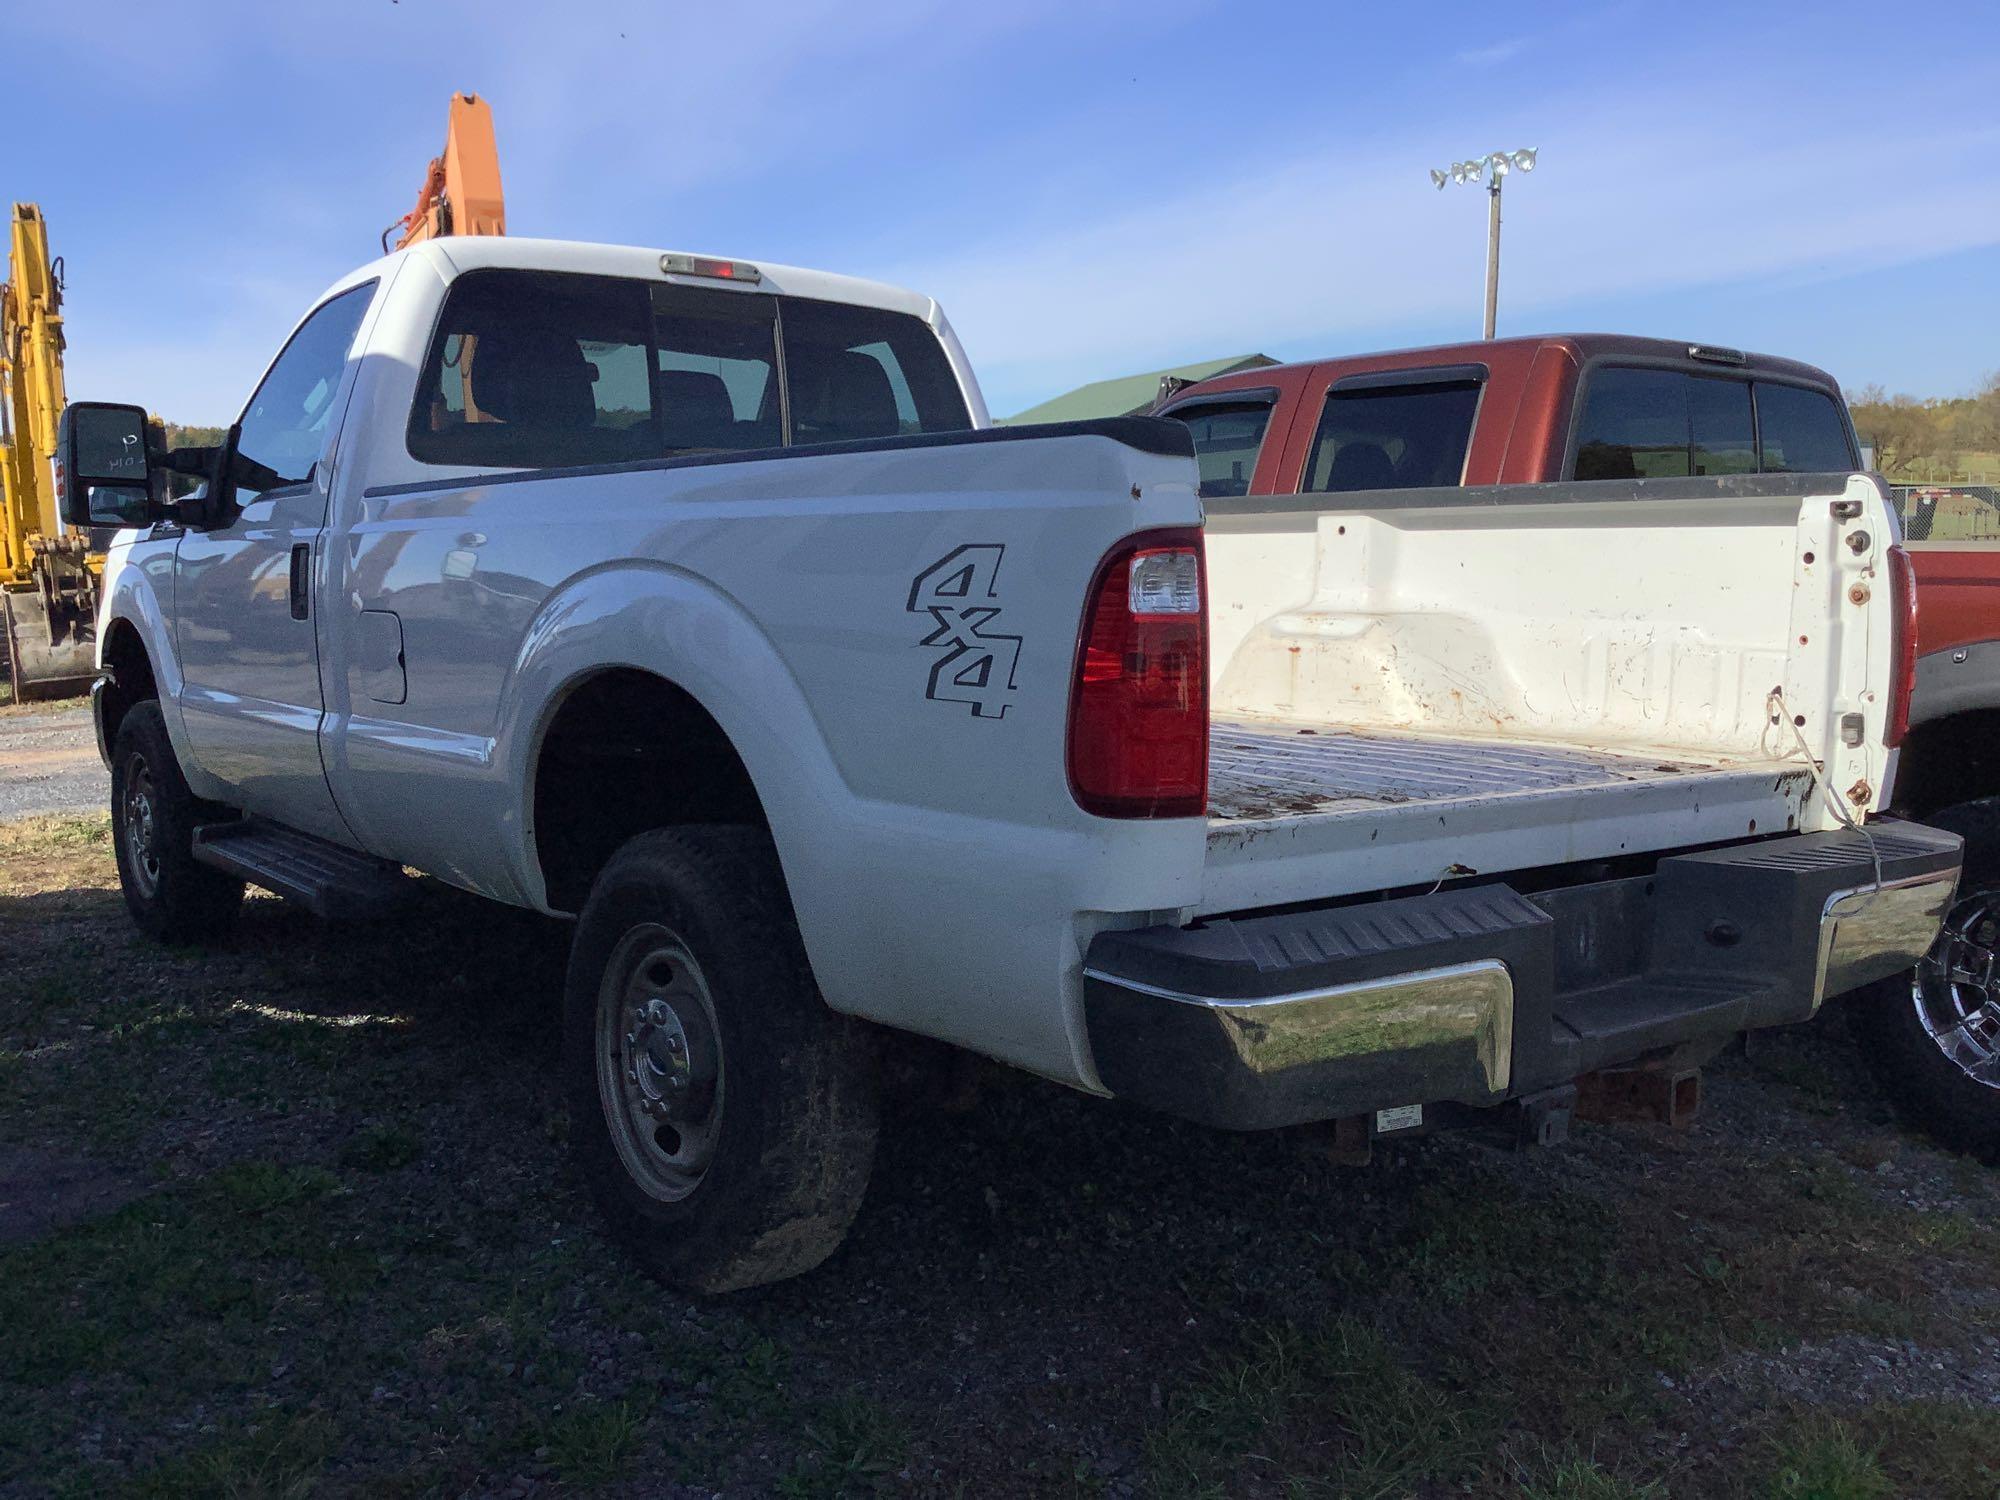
141, 826
1956, 989
659, 1062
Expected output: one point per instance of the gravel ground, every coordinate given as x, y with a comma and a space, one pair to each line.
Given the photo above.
291, 1215
48, 761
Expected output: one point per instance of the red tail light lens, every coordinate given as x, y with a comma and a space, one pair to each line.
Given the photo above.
1903, 648
1138, 713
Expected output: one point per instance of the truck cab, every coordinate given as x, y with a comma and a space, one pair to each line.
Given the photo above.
1534, 410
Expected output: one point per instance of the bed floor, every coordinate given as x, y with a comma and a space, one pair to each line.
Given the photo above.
1273, 769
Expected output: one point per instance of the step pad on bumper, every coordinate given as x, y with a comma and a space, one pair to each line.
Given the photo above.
1477, 994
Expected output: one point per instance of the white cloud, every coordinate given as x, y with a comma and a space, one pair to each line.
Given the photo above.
1637, 190
1491, 56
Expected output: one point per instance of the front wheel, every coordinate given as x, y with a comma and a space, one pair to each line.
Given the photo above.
172, 897
723, 1117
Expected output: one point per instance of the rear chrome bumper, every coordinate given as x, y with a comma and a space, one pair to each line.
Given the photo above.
1426, 1035
1868, 934
1477, 995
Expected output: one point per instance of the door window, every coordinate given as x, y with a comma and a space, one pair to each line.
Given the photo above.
1393, 438
285, 426
1227, 437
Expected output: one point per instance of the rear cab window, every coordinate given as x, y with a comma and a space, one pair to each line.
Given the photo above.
535, 369
1803, 431
1228, 433
1396, 430
1657, 423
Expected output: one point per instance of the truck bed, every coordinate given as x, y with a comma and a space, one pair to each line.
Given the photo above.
1300, 810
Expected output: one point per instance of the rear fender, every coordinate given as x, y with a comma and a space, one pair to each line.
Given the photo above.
661, 620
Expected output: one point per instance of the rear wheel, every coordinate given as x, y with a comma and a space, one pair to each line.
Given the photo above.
1933, 1035
153, 817
723, 1117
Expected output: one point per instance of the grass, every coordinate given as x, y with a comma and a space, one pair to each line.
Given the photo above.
381, 1148
852, 1445
1330, 1409
10, 709
1577, 1476
279, 1458
1824, 1460
55, 832
357, 1265
592, 1443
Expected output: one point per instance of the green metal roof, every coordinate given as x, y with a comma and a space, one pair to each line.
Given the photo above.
1128, 395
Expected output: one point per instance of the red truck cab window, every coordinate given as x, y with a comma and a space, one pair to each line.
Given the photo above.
1228, 436
1658, 423
1403, 436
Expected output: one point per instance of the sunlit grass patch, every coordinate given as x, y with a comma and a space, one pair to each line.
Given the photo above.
53, 831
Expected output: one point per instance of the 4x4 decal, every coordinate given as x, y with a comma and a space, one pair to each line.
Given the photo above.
961, 594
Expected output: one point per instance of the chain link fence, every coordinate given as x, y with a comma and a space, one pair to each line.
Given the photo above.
1948, 512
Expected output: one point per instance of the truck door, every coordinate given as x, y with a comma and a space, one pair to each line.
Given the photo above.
244, 599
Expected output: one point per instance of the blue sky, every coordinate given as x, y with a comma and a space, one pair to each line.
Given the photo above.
1089, 189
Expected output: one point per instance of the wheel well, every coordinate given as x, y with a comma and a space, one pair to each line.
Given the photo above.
130, 678
625, 753
1948, 761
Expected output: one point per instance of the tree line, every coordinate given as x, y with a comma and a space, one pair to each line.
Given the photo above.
181, 436
1949, 440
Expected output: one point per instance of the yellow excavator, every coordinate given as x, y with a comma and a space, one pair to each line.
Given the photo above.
49, 574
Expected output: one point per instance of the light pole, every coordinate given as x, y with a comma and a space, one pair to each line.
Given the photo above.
1494, 167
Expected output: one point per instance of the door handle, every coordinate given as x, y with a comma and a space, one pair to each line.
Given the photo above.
301, 577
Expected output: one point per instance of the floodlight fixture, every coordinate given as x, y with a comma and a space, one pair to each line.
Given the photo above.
1492, 169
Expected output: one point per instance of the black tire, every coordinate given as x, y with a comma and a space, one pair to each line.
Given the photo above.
153, 818
745, 1071
1951, 1095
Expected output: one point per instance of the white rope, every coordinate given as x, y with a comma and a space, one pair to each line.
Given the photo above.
1835, 800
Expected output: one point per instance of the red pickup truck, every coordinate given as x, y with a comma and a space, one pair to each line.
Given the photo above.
1607, 407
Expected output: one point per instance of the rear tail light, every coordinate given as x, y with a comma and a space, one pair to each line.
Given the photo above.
1138, 714
1903, 643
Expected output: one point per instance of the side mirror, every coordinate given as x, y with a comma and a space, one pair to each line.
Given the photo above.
104, 467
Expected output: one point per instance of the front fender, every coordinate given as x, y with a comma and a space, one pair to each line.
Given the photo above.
138, 579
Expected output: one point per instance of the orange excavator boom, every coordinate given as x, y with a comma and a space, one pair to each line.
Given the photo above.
461, 191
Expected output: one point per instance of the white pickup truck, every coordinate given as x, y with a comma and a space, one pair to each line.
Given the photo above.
697, 600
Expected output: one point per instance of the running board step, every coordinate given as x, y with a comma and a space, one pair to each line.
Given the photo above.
332, 882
